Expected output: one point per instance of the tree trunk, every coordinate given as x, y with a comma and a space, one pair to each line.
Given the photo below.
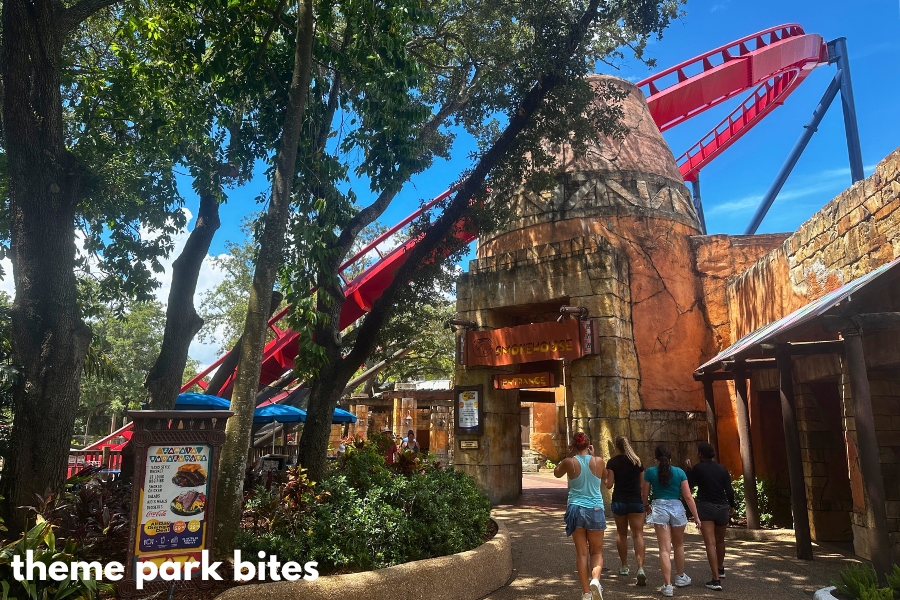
220, 378
182, 321
243, 400
49, 339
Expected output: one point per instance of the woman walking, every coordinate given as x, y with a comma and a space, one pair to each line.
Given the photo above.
667, 515
625, 475
585, 520
715, 501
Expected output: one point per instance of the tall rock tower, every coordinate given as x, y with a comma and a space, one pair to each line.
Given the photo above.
613, 237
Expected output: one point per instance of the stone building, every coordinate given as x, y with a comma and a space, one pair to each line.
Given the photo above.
619, 237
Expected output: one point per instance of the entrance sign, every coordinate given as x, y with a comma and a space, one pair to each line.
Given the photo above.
173, 497
521, 381
524, 343
468, 407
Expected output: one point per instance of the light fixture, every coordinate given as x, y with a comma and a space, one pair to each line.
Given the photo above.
463, 323
565, 310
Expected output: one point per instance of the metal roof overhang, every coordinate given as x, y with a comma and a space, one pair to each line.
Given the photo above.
780, 331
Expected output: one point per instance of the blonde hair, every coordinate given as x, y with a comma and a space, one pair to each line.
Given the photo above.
625, 448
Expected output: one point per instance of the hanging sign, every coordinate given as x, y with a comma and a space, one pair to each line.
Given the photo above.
525, 343
521, 381
173, 498
468, 407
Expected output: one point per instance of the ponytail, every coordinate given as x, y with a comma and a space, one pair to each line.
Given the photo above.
624, 447
664, 456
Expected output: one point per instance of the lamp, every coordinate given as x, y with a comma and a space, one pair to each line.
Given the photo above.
565, 310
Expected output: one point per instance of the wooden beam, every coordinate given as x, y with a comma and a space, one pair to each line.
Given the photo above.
881, 320
750, 365
712, 428
805, 348
742, 412
869, 461
802, 533
717, 376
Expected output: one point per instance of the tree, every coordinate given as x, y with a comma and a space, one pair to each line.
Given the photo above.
512, 74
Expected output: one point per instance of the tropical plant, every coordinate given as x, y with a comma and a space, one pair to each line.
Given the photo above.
855, 579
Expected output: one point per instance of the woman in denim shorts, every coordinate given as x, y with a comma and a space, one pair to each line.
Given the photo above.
625, 475
585, 519
667, 515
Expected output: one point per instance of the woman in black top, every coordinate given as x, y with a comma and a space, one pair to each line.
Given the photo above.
626, 472
715, 502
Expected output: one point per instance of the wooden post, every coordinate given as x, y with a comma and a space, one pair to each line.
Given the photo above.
742, 412
867, 444
712, 430
794, 458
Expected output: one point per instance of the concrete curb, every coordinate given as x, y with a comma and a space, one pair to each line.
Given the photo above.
824, 594
760, 535
465, 576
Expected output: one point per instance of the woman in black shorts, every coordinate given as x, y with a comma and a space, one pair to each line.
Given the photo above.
626, 473
715, 501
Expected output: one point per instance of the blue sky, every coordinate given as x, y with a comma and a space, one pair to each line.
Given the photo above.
734, 183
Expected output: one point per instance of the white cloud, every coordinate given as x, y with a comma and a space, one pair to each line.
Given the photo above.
210, 277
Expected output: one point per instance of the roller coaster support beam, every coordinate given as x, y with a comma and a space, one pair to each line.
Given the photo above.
698, 206
808, 130
837, 52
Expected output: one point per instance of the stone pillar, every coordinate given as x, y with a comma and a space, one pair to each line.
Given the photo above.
497, 463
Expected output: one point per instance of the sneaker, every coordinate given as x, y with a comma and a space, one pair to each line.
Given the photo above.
596, 590
586, 596
624, 571
682, 580
722, 573
715, 584
642, 577
667, 590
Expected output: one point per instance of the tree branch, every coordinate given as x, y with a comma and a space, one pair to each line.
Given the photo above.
73, 16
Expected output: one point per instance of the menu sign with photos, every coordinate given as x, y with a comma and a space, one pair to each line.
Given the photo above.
469, 408
175, 490
176, 455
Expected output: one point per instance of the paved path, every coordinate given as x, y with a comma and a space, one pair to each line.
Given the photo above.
544, 558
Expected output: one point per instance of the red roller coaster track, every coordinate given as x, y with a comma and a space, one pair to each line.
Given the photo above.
780, 59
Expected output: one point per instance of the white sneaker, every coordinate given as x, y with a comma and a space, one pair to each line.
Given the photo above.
586, 596
682, 580
666, 590
596, 590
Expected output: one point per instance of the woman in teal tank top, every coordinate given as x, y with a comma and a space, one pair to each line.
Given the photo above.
585, 519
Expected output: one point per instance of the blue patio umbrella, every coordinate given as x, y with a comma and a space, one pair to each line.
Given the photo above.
340, 416
278, 413
193, 401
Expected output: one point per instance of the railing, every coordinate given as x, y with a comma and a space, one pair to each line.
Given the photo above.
110, 460
254, 454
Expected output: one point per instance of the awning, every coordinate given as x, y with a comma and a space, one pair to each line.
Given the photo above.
780, 330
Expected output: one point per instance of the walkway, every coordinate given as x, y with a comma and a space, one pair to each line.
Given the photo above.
544, 558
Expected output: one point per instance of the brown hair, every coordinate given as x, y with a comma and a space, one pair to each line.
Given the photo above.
580, 441
664, 456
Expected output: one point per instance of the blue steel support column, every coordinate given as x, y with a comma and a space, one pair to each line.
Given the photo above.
698, 206
837, 52
808, 130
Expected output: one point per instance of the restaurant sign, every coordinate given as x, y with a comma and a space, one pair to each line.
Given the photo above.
524, 343
522, 381
173, 503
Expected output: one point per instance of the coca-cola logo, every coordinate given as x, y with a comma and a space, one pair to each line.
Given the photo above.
155, 513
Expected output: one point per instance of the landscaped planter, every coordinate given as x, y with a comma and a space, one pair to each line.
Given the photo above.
465, 576
825, 594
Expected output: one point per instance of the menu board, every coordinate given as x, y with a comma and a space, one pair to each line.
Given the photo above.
173, 499
468, 409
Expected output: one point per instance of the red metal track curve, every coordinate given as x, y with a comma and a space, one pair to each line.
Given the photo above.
776, 65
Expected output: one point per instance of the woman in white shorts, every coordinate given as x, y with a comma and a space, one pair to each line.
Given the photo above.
669, 485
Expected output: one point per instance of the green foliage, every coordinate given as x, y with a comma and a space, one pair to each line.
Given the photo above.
364, 515
893, 579
856, 579
772, 505
550, 465
42, 540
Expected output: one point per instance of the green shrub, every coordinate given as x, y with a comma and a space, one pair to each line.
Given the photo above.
550, 465
365, 515
871, 593
854, 579
774, 508
893, 579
